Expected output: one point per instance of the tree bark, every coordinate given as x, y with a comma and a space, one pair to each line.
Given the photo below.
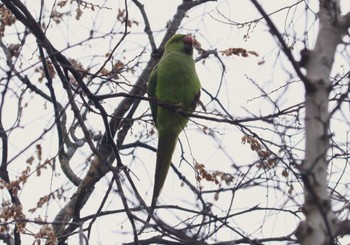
319, 226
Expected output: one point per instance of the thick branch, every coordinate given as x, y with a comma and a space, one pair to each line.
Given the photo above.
319, 226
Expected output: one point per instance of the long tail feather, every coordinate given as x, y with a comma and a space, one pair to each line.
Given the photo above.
166, 147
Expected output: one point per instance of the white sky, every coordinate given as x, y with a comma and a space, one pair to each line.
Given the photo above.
236, 93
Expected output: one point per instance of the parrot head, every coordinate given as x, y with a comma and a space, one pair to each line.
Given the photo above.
180, 42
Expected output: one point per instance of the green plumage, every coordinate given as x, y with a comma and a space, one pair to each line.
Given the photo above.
173, 81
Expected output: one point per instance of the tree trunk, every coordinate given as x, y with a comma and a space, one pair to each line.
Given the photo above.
320, 223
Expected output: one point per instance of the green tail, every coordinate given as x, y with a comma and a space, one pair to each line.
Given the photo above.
166, 147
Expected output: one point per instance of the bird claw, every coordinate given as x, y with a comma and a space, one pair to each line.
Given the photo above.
178, 107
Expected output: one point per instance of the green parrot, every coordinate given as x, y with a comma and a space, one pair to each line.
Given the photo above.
173, 81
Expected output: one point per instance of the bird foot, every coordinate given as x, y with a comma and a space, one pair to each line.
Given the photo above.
178, 107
